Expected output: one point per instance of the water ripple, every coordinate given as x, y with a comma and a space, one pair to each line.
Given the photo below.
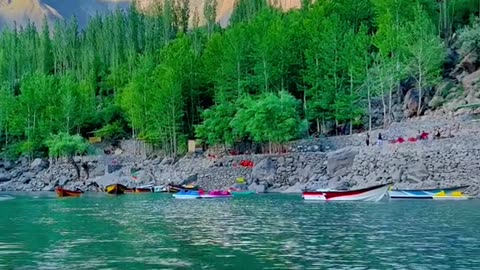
266, 232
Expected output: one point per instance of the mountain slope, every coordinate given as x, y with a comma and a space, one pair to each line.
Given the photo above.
20, 11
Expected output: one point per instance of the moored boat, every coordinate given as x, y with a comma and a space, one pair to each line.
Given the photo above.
373, 194
451, 193
217, 194
116, 189
158, 189
173, 188
239, 192
61, 192
144, 189
187, 194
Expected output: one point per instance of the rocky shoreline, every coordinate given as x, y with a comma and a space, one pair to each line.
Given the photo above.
337, 162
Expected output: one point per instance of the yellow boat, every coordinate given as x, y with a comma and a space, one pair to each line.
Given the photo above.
116, 189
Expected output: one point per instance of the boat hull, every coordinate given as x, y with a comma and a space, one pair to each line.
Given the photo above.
242, 193
452, 193
371, 194
67, 193
116, 189
217, 194
208, 196
187, 195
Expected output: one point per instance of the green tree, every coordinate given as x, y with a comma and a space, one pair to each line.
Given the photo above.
425, 52
66, 145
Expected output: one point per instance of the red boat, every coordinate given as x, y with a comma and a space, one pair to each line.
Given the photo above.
373, 194
68, 193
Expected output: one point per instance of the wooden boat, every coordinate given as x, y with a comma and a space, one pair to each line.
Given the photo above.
217, 194
188, 194
158, 189
144, 189
172, 188
453, 193
373, 194
116, 189
61, 192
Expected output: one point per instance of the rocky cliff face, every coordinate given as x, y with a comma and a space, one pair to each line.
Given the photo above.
338, 162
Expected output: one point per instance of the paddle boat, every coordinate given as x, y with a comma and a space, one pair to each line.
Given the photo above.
61, 192
372, 194
217, 194
451, 193
116, 189
188, 194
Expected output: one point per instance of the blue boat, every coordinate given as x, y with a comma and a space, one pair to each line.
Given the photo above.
429, 194
187, 194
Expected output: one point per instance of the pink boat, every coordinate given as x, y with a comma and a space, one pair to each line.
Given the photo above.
216, 194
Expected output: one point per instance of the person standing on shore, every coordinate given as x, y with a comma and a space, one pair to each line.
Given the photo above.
380, 139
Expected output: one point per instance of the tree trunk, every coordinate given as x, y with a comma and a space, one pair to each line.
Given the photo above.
318, 126
369, 109
384, 105
77, 169
419, 85
351, 103
265, 74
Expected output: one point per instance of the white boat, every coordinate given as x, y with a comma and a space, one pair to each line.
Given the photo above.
452, 193
370, 194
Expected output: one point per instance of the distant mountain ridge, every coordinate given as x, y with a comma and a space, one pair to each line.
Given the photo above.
20, 11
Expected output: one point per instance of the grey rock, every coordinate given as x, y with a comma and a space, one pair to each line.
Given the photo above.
49, 188
167, 161
28, 175
264, 170
4, 177
344, 186
297, 188
63, 180
259, 188
39, 164
339, 162
397, 175
7, 165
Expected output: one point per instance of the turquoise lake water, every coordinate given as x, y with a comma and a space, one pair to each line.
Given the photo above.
155, 231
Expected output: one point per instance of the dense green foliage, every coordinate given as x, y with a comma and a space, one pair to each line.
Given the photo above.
149, 75
66, 145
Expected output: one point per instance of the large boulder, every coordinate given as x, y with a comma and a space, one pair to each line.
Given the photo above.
264, 170
39, 165
470, 81
50, 187
467, 65
339, 162
410, 103
258, 188
297, 188
7, 165
4, 177
416, 174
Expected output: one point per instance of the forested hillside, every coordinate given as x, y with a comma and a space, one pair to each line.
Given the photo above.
269, 77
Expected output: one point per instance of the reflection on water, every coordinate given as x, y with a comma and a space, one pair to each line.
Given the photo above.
154, 231
6, 197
